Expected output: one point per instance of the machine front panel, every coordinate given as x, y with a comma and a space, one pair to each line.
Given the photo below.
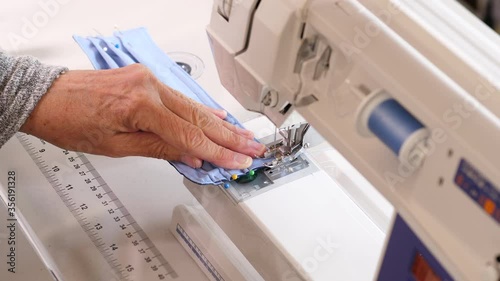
407, 258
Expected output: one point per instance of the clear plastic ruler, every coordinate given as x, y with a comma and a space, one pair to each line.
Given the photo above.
121, 241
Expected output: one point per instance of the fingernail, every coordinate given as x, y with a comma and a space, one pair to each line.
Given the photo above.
244, 160
259, 147
191, 162
198, 163
223, 113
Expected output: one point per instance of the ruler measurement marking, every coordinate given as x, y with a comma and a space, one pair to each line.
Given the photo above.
163, 264
98, 238
59, 191
51, 174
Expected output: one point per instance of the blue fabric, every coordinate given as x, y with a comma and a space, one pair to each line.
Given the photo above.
136, 46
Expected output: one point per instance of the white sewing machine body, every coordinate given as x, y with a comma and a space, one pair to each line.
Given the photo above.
322, 57
324, 222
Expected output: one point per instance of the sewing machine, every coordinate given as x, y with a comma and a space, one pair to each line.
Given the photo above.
407, 91
358, 202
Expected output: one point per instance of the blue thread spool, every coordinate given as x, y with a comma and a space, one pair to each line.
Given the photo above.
384, 117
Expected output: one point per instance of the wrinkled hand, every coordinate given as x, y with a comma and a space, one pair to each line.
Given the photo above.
128, 112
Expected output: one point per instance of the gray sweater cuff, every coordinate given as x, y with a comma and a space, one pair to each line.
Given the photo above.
23, 82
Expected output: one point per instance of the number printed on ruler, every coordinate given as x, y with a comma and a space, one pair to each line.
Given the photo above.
107, 222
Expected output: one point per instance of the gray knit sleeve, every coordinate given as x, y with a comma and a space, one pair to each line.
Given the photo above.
23, 81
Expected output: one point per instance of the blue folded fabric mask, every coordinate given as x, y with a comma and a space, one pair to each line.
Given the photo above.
136, 46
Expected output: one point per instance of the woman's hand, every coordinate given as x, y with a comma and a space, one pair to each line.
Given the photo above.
128, 112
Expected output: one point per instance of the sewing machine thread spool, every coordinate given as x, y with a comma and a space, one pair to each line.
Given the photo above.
381, 115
